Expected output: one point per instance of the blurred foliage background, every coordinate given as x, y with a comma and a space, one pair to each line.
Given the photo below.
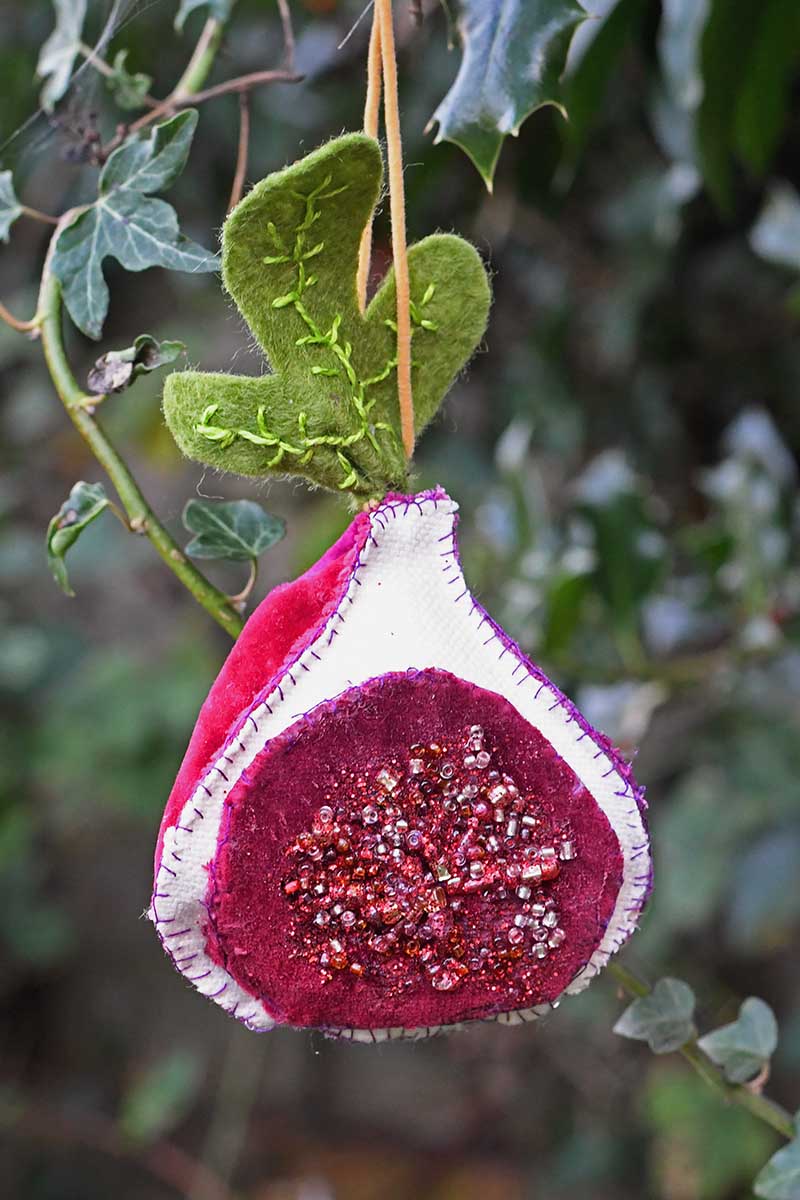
624, 451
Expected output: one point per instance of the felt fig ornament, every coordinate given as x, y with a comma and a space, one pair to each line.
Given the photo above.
388, 821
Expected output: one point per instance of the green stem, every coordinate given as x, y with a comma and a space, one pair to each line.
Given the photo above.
759, 1106
201, 61
141, 517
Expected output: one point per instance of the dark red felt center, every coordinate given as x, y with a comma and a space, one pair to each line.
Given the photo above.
411, 854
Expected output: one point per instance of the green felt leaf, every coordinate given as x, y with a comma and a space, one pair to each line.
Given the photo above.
513, 56
780, 1178
129, 89
84, 504
329, 410
221, 9
235, 529
126, 223
57, 55
663, 1019
744, 1047
118, 369
10, 207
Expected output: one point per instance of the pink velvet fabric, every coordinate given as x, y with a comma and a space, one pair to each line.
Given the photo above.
249, 928
277, 631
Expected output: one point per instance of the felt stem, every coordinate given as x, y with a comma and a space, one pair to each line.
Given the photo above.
372, 107
759, 1106
394, 145
79, 407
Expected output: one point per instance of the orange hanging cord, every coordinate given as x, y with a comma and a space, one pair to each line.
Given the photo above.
372, 109
382, 56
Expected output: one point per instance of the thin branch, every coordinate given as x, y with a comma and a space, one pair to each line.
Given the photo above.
141, 517
35, 215
397, 206
239, 601
16, 323
372, 107
288, 34
759, 1106
241, 154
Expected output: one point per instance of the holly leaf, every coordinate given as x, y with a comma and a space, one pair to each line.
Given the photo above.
128, 89
780, 1178
663, 1019
10, 207
85, 503
744, 1047
513, 57
126, 223
118, 369
240, 530
328, 411
219, 9
57, 55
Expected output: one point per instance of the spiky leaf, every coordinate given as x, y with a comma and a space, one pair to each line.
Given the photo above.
513, 56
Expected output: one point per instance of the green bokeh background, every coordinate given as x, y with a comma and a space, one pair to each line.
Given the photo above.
624, 450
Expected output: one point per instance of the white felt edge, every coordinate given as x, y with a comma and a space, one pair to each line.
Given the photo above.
406, 606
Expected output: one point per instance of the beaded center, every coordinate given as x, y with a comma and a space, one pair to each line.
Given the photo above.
436, 867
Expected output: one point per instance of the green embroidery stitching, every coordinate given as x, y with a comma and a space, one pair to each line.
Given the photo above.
330, 340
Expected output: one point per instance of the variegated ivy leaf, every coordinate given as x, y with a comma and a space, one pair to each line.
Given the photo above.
85, 503
744, 1047
663, 1019
240, 530
513, 56
129, 89
10, 207
118, 369
57, 55
127, 223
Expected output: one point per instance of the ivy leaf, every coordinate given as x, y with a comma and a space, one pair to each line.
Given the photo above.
220, 9
780, 1178
240, 530
513, 56
127, 224
128, 89
117, 369
85, 503
10, 207
57, 55
663, 1019
744, 1047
